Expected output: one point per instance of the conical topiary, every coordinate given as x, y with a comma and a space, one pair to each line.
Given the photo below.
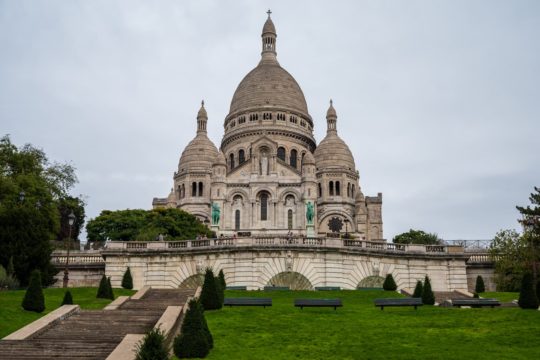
68, 299
194, 340
527, 294
152, 346
110, 292
389, 283
221, 276
127, 280
103, 290
210, 298
220, 290
33, 298
479, 288
427, 294
418, 290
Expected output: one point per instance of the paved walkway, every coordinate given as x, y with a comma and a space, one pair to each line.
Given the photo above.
93, 334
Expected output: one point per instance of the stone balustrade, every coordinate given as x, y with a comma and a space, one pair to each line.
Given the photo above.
77, 258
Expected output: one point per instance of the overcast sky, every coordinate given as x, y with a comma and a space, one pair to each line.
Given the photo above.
439, 101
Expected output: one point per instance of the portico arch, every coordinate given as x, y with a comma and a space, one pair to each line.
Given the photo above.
294, 280
192, 282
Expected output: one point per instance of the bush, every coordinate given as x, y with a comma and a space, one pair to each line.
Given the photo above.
109, 289
389, 283
33, 298
127, 280
195, 340
210, 298
527, 295
103, 290
476, 296
427, 294
479, 288
152, 346
220, 290
7, 280
68, 299
221, 276
418, 290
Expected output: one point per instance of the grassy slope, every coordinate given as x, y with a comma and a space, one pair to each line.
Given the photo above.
359, 330
501, 296
13, 317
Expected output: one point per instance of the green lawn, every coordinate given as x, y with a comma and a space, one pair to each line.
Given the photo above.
501, 296
13, 317
361, 331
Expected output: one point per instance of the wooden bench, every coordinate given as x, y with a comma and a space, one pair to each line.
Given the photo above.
236, 288
398, 302
327, 288
476, 302
247, 301
301, 303
276, 288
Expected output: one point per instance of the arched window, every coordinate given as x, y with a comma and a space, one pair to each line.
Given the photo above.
320, 190
241, 157
331, 188
281, 153
194, 189
264, 206
289, 220
200, 189
231, 161
338, 190
237, 220
302, 161
179, 192
349, 189
352, 191
294, 155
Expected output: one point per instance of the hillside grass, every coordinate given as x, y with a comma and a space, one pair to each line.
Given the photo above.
504, 297
14, 317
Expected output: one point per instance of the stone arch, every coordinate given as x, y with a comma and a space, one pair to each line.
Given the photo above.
324, 220
241, 192
192, 282
294, 280
288, 192
372, 281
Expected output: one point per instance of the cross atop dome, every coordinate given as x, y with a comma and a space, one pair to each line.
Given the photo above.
269, 12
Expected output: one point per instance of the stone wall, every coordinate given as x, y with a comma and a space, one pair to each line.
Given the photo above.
486, 271
87, 276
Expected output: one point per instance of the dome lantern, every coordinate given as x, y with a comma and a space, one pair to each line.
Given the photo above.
202, 119
269, 36
331, 118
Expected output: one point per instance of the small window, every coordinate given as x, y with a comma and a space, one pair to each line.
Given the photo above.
320, 190
281, 153
264, 207
294, 155
349, 189
237, 220
194, 189
331, 188
231, 161
338, 188
289, 219
241, 157
200, 189
352, 191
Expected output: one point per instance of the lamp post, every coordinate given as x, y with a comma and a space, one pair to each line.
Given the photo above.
71, 220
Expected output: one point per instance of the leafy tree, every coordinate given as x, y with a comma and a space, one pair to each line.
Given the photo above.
127, 280
428, 298
103, 289
479, 287
33, 298
527, 294
389, 283
152, 346
195, 339
418, 290
417, 237
65, 207
68, 299
531, 224
210, 298
511, 252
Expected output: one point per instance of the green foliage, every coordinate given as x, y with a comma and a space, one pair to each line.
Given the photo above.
110, 292
11, 267
65, 207
513, 255
418, 290
152, 346
222, 285
210, 298
531, 215
127, 280
479, 287
389, 283
475, 295
145, 225
428, 298
538, 290
34, 299
527, 294
195, 339
7, 281
417, 237
221, 276
103, 290
68, 299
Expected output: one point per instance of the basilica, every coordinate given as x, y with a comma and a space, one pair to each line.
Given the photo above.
269, 176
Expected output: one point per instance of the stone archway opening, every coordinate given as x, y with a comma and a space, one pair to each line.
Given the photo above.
292, 279
373, 281
192, 282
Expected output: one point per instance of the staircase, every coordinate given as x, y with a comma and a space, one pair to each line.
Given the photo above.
93, 334
442, 296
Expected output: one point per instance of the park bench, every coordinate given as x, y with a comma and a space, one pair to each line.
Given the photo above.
236, 288
476, 302
301, 303
276, 288
327, 288
247, 301
398, 302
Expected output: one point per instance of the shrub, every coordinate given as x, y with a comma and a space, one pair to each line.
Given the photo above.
220, 290
103, 290
11, 267
152, 346
475, 295
538, 290
195, 340
109, 289
418, 290
127, 280
7, 280
427, 294
527, 295
68, 299
479, 288
389, 283
221, 276
33, 298
210, 298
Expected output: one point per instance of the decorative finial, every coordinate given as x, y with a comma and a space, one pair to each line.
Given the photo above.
269, 12
202, 102
331, 102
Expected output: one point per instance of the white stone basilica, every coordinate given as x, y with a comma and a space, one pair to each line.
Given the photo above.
269, 173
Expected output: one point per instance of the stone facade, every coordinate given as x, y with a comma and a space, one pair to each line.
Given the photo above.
269, 168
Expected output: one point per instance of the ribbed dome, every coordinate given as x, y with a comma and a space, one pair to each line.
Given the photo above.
333, 153
199, 154
220, 159
308, 159
269, 26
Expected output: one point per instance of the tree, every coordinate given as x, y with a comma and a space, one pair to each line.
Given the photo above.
417, 237
152, 346
427, 294
68, 299
221, 276
418, 290
531, 224
527, 294
195, 339
127, 280
110, 292
33, 298
210, 298
389, 283
65, 207
30, 189
103, 289
511, 252
7, 281
479, 287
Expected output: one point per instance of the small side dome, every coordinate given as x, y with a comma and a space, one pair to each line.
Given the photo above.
308, 159
220, 159
200, 153
333, 153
